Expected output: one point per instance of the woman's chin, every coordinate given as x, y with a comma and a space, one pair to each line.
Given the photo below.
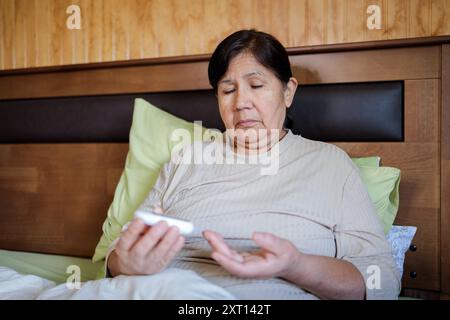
255, 126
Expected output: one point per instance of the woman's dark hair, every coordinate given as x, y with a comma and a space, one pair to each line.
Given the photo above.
266, 49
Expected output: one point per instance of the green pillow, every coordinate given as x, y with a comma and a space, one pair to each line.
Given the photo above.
367, 161
383, 186
150, 148
52, 267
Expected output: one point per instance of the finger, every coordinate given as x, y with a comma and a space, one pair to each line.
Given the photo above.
167, 241
238, 268
270, 242
131, 235
148, 241
157, 209
217, 242
172, 252
253, 266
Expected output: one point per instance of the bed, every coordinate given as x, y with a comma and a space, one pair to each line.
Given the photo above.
64, 139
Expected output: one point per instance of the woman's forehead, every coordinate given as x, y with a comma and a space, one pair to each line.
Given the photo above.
245, 65
244, 59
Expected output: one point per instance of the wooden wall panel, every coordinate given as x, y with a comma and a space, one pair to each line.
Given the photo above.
335, 18
419, 22
423, 102
64, 187
334, 67
151, 78
445, 170
397, 19
42, 24
298, 22
339, 67
33, 33
20, 44
355, 22
440, 17
7, 45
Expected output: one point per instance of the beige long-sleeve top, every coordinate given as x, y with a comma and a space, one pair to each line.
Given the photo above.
316, 200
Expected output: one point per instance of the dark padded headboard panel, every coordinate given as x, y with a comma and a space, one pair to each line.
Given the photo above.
349, 112
332, 112
95, 118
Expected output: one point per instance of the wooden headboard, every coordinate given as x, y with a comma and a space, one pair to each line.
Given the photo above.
54, 196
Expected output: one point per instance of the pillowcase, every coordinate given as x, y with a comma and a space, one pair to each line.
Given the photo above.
400, 238
383, 186
367, 161
150, 148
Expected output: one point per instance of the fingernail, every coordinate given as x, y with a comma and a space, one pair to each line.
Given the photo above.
258, 235
163, 223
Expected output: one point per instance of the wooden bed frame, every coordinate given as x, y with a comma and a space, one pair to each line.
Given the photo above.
54, 196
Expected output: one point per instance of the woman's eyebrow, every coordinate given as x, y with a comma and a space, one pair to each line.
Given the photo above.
225, 81
253, 73
247, 75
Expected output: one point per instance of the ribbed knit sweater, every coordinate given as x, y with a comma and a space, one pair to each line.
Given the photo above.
316, 200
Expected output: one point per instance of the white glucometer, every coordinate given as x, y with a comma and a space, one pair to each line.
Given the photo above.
152, 218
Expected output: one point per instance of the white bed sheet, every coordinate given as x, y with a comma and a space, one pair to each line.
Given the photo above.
170, 284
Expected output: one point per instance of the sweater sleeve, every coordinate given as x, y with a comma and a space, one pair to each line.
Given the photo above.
154, 198
360, 240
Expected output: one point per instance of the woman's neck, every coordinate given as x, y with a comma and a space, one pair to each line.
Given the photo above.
257, 148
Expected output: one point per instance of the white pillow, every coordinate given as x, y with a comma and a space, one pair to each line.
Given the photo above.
400, 238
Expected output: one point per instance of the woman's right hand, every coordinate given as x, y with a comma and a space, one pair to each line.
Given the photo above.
145, 250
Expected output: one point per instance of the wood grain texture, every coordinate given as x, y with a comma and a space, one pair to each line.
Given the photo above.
336, 67
445, 169
33, 33
419, 22
335, 19
339, 67
8, 41
397, 26
153, 78
440, 17
422, 99
51, 192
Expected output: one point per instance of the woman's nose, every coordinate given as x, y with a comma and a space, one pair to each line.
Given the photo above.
243, 100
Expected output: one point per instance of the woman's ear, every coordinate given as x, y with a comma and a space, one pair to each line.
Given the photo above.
289, 91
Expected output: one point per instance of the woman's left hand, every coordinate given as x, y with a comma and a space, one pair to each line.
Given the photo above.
276, 258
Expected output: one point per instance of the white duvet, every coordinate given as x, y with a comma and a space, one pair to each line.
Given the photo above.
171, 284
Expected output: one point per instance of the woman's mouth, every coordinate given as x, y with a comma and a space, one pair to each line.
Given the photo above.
246, 123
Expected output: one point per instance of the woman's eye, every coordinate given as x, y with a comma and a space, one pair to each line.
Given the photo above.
256, 86
228, 91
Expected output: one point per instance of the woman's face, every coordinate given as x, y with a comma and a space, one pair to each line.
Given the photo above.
250, 96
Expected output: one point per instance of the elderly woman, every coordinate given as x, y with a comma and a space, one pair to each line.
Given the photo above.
308, 231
